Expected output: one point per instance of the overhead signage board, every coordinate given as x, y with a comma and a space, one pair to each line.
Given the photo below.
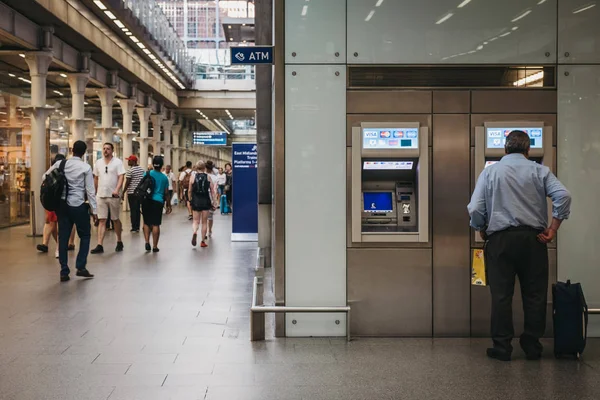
210, 138
252, 55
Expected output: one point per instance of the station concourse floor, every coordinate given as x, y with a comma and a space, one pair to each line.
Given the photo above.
175, 325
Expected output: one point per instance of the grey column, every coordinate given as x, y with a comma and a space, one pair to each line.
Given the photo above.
264, 87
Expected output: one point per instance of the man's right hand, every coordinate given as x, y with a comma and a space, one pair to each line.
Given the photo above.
547, 236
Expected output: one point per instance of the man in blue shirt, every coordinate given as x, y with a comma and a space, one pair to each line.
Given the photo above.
152, 208
509, 210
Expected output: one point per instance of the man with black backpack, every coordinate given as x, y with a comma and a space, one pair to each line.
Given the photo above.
67, 185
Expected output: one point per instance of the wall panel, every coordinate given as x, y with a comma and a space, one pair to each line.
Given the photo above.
315, 196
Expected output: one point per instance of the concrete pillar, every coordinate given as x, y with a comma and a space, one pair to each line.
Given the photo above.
107, 98
168, 145
38, 62
264, 89
144, 115
157, 120
176, 162
128, 107
90, 136
79, 124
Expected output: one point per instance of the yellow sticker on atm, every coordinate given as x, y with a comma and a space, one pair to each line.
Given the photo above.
478, 276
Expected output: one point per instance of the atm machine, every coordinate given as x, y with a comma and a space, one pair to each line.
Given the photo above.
490, 140
390, 183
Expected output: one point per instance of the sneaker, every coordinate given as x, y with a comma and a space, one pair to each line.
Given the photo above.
190, 218
203, 244
209, 234
98, 250
194, 239
71, 247
119, 247
155, 250
64, 278
84, 273
56, 254
43, 248
148, 247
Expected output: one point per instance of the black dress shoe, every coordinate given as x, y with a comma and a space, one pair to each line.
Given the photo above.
42, 247
119, 247
155, 250
65, 278
498, 354
97, 250
84, 273
148, 247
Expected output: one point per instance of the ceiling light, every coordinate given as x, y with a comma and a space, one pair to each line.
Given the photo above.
110, 15
381, 1
25, 80
152, 56
464, 3
128, 33
140, 45
231, 39
584, 8
198, 111
494, 38
147, 51
229, 27
515, 28
12, 75
125, 30
22, 55
480, 47
541, 2
99, 4
538, 76
370, 16
119, 23
304, 11
85, 103
63, 75
505, 34
58, 93
526, 13
2, 112
472, 51
444, 18
134, 39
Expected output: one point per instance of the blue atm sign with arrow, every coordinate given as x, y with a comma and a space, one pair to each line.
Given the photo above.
252, 55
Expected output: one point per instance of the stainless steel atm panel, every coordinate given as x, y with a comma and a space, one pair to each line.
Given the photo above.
390, 183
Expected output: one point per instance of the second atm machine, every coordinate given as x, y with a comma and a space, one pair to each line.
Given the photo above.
390, 183
491, 138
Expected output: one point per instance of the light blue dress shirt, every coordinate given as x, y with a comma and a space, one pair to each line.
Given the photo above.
513, 192
80, 180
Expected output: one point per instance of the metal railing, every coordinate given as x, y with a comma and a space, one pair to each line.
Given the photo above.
154, 19
258, 310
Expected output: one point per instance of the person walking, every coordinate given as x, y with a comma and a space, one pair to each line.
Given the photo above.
152, 208
132, 179
109, 174
51, 226
73, 210
229, 185
200, 191
184, 184
212, 173
221, 180
509, 210
172, 182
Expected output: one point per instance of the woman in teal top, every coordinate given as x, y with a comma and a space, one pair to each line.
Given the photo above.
152, 208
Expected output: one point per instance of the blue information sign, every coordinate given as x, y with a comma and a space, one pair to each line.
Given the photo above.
252, 55
245, 193
210, 138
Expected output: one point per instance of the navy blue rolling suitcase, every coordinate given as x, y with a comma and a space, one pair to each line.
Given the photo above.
224, 206
570, 317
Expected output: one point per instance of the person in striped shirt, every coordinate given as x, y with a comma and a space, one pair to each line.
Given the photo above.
132, 179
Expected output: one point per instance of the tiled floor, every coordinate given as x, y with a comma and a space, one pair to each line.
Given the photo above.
174, 325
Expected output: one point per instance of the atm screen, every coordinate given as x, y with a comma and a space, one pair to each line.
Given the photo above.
378, 202
391, 138
496, 137
387, 165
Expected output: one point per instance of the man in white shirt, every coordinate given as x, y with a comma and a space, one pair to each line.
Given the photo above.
74, 211
109, 174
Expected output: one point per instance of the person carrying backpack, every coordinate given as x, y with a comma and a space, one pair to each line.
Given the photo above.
74, 180
154, 201
200, 189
